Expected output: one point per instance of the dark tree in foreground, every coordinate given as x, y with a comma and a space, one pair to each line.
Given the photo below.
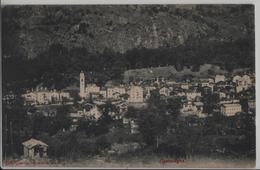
16, 126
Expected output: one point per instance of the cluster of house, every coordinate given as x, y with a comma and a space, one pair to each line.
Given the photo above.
9, 98
226, 88
191, 92
89, 111
121, 96
242, 82
133, 93
43, 96
93, 111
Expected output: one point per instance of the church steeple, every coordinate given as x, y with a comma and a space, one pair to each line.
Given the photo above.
82, 92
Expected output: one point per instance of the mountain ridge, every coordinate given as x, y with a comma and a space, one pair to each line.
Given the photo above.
30, 30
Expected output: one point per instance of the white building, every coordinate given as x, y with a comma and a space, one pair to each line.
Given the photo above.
92, 89
115, 92
103, 93
185, 86
164, 91
121, 106
192, 108
44, 96
181, 94
9, 98
243, 83
148, 90
219, 78
236, 78
135, 94
168, 82
230, 109
188, 107
34, 149
134, 127
91, 112
246, 80
251, 104
229, 101
192, 95
222, 95
203, 84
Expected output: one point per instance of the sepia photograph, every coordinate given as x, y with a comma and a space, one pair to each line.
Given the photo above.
128, 86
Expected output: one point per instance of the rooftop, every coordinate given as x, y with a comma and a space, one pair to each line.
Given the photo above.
231, 105
33, 142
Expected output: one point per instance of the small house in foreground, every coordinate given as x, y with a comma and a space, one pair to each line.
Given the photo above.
33, 148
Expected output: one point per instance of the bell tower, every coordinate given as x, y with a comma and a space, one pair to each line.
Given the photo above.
82, 89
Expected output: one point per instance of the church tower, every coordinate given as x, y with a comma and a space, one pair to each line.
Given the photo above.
82, 93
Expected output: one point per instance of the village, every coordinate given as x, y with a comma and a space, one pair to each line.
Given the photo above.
229, 90
129, 86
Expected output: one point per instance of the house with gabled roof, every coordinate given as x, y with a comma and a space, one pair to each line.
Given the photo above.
34, 148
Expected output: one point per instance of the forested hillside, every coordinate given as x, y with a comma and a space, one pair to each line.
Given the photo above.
51, 44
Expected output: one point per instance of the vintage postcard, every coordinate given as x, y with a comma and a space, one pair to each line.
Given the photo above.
128, 86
